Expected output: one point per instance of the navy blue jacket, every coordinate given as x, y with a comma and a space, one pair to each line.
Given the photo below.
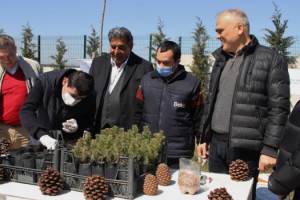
44, 109
173, 106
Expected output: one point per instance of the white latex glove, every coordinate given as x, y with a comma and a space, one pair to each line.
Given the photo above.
70, 126
49, 142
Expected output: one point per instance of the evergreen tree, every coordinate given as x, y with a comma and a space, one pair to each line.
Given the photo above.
29, 48
2, 31
200, 65
93, 45
275, 38
158, 38
61, 50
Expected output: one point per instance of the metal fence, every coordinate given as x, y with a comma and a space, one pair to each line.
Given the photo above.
77, 46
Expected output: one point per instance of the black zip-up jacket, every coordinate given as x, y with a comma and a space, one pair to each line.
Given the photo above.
261, 101
286, 177
44, 109
174, 106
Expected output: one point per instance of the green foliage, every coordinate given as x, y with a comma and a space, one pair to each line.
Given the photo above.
114, 142
275, 38
200, 65
61, 50
82, 148
93, 45
2, 31
157, 38
29, 48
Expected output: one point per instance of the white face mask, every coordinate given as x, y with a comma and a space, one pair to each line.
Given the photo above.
69, 100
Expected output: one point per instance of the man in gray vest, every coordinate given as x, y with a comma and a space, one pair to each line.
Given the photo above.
117, 76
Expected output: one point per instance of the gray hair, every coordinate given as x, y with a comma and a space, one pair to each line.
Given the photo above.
121, 33
7, 42
240, 14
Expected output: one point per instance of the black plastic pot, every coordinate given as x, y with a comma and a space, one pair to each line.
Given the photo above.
98, 168
111, 171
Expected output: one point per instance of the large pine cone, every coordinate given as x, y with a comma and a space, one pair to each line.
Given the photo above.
1, 173
95, 187
238, 170
4, 145
163, 174
219, 194
50, 182
150, 186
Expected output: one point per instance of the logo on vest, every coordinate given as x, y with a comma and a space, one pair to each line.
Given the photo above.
179, 105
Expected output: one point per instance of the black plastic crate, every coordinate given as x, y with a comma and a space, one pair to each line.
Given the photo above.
16, 169
126, 182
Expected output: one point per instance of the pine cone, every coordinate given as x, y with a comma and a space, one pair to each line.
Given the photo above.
219, 194
1, 173
95, 187
163, 174
50, 182
150, 185
238, 170
4, 145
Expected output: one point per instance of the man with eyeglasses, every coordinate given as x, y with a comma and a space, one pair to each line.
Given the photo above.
17, 77
60, 100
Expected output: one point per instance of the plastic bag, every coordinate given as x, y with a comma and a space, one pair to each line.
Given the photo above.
189, 176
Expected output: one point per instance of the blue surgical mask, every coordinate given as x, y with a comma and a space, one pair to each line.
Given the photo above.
164, 71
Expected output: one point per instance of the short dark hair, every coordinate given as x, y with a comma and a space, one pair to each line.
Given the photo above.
121, 33
170, 45
7, 42
83, 82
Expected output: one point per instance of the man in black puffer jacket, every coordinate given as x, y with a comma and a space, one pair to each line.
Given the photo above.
287, 174
170, 99
248, 101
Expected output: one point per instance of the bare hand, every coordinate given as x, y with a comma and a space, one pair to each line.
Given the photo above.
202, 149
266, 162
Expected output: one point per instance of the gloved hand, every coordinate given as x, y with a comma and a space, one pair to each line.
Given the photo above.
49, 142
70, 126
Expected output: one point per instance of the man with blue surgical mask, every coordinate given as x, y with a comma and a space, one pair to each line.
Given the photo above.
60, 100
170, 99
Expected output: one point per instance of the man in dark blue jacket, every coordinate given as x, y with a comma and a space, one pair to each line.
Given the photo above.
170, 99
60, 100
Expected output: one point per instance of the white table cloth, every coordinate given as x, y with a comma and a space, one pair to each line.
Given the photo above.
238, 190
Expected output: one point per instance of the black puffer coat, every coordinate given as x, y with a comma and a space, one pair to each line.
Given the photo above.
286, 177
260, 102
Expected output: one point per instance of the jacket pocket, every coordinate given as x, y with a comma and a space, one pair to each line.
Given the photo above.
262, 114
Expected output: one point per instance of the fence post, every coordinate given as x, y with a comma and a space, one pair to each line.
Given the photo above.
39, 49
150, 47
180, 41
84, 47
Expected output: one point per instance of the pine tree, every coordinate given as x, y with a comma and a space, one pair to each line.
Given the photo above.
200, 65
275, 38
2, 31
61, 50
29, 48
158, 38
93, 45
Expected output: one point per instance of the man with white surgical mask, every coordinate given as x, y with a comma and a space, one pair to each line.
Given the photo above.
60, 100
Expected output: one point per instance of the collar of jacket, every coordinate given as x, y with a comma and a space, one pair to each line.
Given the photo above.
178, 72
221, 55
58, 87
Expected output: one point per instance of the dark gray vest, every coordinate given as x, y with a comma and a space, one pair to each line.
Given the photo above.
111, 106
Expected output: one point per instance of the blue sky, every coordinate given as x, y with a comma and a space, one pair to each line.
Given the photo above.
75, 17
